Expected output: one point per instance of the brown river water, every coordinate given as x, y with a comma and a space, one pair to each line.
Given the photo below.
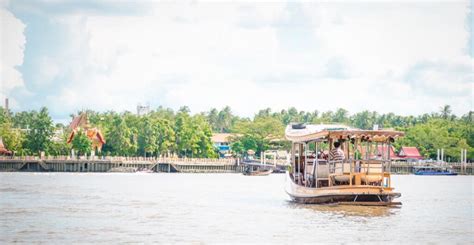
221, 208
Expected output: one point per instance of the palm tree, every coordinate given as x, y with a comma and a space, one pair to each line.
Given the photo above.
445, 111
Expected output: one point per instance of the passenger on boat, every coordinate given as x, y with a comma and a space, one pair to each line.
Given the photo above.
322, 155
336, 154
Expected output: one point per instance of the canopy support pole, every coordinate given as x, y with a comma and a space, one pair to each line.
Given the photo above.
293, 160
315, 165
305, 162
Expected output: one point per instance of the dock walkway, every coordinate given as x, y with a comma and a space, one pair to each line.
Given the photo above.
108, 164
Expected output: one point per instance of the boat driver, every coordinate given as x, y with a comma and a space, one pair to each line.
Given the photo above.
336, 154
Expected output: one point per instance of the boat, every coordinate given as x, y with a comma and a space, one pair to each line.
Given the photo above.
258, 172
144, 171
256, 169
358, 178
123, 170
433, 170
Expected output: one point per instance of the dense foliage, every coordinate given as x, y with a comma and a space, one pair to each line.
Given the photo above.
81, 143
166, 132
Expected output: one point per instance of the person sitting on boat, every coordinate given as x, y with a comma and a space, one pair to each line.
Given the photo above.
322, 155
336, 154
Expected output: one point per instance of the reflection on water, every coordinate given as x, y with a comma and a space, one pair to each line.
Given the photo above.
348, 210
221, 208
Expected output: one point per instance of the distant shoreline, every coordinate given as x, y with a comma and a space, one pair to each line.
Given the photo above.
164, 165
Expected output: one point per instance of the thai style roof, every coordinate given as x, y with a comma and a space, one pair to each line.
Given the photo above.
304, 133
94, 134
79, 121
410, 152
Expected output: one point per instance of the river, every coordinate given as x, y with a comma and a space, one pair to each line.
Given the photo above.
221, 208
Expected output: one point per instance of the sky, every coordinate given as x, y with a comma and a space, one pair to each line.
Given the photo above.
406, 57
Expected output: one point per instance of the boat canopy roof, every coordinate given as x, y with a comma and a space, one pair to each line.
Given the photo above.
320, 132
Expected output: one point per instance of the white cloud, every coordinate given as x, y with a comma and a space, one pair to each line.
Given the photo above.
12, 45
250, 56
48, 70
377, 38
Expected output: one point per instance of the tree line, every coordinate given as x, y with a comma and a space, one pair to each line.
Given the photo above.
164, 131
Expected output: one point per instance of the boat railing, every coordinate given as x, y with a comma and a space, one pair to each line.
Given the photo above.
356, 166
309, 171
336, 167
370, 171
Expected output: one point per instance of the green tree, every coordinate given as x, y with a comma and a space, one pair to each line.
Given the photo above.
438, 134
23, 119
132, 122
166, 137
362, 120
40, 132
259, 133
119, 138
212, 118
164, 113
59, 145
445, 111
341, 116
3, 115
81, 143
245, 143
203, 146
12, 138
148, 136
224, 119
183, 130
193, 135
469, 117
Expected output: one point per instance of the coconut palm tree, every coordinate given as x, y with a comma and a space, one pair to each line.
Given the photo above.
445, 111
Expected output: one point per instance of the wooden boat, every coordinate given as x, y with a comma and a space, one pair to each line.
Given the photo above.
351, 178
256, 169
258, 172
433, 170
144, 171
123, 170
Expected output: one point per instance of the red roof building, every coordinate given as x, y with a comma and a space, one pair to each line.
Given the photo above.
94, 134
409, 152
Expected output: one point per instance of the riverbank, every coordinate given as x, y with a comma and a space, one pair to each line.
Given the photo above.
111, 164
168, 165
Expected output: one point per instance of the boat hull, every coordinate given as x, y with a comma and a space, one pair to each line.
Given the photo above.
341, 194
436, 173
258, 173
377, 199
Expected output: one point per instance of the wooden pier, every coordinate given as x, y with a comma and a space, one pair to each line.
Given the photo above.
168, 165
110, 164
408, 168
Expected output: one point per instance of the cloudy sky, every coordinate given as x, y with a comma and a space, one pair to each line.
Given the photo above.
406, 57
